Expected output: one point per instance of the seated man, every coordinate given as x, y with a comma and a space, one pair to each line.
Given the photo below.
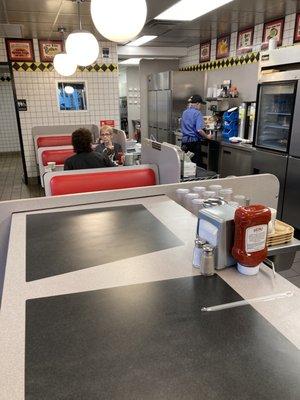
85, 157
106, 145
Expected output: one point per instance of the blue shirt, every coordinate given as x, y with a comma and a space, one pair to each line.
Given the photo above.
191, 122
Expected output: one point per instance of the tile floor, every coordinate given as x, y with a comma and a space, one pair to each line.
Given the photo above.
11, 184
12, 187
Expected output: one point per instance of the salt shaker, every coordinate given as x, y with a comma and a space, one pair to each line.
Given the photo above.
207, 264
199, 243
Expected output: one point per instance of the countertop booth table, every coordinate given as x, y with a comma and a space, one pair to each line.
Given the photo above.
100, 301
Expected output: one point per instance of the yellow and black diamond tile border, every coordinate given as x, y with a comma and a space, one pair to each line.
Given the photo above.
224, 63
42, 67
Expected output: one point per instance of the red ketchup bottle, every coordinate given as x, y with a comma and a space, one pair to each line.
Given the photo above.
251, 228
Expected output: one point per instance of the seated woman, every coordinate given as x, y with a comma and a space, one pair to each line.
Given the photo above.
106, 145
85, 157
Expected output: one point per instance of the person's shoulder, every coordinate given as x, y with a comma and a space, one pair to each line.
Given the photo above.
71, 158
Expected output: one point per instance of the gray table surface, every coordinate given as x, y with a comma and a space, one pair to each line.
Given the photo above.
157, 266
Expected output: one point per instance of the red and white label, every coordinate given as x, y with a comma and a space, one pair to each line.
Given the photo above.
256, 237
109, 122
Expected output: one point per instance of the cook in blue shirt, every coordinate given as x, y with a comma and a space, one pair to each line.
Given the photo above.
192, 125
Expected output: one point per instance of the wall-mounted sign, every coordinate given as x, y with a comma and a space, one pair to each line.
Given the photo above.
297, 29
22, 104
205, 52
105, 52
273, 29
49, 49
19, 50
245, 41
109, 122
223, 47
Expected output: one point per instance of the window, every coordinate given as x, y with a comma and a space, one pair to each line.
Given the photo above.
71, 96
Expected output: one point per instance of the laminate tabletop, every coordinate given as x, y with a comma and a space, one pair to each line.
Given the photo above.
102, 302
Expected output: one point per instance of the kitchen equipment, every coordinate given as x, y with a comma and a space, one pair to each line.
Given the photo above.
246, 120
207, 262
276, 138
216, 226
167, 99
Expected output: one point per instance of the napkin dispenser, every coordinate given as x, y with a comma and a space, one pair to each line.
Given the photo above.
216, 226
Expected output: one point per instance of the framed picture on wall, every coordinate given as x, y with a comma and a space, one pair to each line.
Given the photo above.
297, 29
49, 49
245, 41
205, 52
223, 47
273, 29
19, 50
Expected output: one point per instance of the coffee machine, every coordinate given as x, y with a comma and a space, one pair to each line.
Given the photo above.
216, 227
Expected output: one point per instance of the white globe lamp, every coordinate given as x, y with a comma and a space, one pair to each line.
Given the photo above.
64, 65
119, 20
82, 47
69, 89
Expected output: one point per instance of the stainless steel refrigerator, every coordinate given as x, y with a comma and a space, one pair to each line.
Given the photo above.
168, 93
277, 134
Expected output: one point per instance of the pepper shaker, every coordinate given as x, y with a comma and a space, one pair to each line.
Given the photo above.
207, 265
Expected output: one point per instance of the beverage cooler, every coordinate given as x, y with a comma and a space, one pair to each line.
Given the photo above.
277, 130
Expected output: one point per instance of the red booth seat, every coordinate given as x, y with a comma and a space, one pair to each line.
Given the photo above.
97, 181
50, 141
59, 156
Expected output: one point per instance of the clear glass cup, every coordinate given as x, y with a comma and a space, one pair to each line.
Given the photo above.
226, 194
240, 199
197, 205
216, 188
209, 194
180, 193
187, 202
200, 190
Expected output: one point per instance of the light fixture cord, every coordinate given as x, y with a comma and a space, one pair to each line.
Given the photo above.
79, 15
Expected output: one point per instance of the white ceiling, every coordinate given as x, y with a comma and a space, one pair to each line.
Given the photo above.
41, 19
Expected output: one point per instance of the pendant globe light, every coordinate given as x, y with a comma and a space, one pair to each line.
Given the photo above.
119, 20
82, 46
63, 64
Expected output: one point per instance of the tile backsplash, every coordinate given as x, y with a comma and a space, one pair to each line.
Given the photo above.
39, 90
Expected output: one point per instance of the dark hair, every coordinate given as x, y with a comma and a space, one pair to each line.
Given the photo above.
82, 141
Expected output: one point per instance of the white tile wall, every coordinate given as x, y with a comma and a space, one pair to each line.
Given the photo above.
288, 37
9, 138
192, 57
289, 30
213, 49
39, 89
3, 57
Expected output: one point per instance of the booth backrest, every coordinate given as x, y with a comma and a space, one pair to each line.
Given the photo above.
50, 141
102, 180
59, 156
